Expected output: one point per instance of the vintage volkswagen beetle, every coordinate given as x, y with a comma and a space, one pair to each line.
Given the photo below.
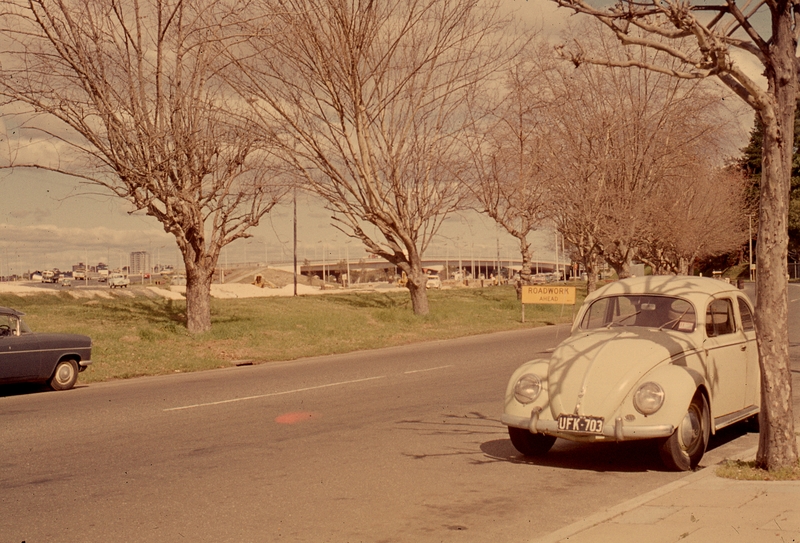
656, 357
25, 356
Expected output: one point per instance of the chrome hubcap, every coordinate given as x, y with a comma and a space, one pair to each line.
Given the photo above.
64, 373
689, 432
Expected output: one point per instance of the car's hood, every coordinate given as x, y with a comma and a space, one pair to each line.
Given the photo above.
591, 372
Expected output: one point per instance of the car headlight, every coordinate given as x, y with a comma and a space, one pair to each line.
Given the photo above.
528, 388
648, 398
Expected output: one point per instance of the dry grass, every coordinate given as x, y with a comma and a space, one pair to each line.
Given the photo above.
747, 471
140, 335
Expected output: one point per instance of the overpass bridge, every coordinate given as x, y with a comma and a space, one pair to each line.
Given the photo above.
474, 267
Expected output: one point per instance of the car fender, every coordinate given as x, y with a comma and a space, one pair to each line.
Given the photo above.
680, 384
537, 367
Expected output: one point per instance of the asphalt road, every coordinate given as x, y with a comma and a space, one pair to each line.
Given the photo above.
400, 444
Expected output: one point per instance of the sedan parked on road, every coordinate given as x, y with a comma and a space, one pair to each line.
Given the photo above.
25, 356
672, 359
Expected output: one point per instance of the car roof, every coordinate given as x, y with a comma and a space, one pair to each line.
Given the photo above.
667, 285
9, 311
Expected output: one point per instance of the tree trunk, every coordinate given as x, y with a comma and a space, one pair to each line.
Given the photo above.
198, 298
590, 264
419, 293
620, 260
416, 284
777, 445
419, 299
525, 251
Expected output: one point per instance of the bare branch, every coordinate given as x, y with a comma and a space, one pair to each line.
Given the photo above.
132, 93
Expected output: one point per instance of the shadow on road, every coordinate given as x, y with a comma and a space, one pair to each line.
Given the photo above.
20, 389
626, 457
629, 456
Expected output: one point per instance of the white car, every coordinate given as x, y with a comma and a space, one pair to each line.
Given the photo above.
117, 280
672, 359
434, 281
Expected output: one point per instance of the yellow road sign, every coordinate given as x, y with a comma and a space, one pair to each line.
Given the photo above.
543, 294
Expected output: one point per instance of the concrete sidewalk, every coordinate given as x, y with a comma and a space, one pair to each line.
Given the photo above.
700, 508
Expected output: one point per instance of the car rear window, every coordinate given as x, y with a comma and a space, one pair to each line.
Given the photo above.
662, 312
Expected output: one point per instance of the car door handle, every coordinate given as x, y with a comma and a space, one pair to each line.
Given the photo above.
743, 347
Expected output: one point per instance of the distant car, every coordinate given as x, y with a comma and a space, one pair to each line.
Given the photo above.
672, 359
117, 280
65, 282
25, 356
539, 278
434, 281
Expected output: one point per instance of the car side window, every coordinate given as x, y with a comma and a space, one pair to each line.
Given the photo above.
747, 316
8, 326
719, 318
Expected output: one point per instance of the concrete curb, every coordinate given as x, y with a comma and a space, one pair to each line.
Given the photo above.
608, 514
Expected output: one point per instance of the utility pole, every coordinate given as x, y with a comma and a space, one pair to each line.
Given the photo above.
294, 241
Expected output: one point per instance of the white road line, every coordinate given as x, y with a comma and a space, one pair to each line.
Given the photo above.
429, 369
274, 394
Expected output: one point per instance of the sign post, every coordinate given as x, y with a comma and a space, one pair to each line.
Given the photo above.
543, 294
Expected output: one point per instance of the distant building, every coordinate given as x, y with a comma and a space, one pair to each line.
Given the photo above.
140, 262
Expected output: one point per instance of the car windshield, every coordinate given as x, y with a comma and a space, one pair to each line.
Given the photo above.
661, 312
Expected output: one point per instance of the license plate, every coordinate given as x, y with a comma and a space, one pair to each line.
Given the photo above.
582, 424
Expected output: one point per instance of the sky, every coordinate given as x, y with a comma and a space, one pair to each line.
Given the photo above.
49, 220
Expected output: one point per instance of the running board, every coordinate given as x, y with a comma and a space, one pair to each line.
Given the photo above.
733, 418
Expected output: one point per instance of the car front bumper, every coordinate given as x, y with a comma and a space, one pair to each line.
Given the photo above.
618, 431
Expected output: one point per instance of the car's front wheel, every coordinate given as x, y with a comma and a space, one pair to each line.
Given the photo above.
683, 450
530, 444
65, 376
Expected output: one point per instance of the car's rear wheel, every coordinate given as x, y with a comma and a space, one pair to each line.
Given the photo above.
65, 376
530, 444
683, 450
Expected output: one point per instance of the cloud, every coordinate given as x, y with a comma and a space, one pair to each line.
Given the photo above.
37, 213
42, 246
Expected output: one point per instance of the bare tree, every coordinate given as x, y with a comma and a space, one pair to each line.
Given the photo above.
623, 135
687, 224
371, 96
507, 178
719, 30
130, 91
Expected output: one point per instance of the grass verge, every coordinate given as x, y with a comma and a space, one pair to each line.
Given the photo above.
747, 471
136, 336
